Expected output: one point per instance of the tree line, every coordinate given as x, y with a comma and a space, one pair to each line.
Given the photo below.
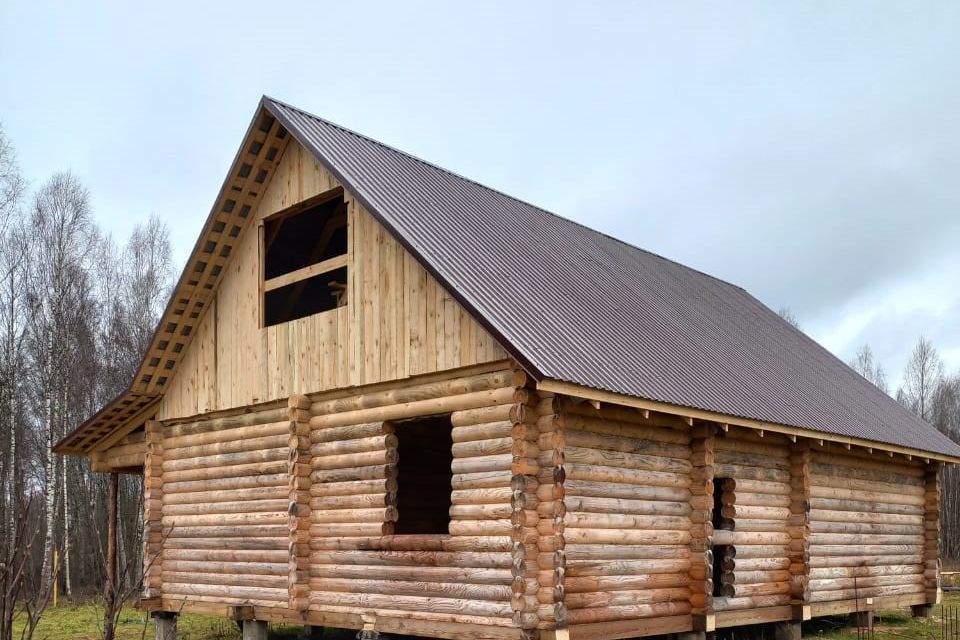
77, 311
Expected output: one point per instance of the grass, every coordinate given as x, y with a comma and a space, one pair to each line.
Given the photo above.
84, 621
887, 625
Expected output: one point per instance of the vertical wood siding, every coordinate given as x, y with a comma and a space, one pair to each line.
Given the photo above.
399, 322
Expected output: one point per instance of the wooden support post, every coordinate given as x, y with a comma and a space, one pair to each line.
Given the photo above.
298, 470
931, 525
153, 510
701, 527
164, 625
110, 585
527, 559
789, 630
254, 630
799, 529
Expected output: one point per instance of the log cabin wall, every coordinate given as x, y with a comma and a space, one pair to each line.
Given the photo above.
398, 321
868, 523
627, 527
224, 510
751, 541
449, 582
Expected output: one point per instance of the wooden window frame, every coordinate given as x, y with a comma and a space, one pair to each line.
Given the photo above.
304, 273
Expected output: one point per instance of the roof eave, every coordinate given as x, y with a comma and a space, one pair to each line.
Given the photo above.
573, 389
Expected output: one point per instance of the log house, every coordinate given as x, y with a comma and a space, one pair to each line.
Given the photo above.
386, 398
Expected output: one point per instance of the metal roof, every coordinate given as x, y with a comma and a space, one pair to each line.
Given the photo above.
575, 305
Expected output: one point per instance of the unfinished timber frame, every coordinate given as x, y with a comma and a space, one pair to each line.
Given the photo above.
328, 437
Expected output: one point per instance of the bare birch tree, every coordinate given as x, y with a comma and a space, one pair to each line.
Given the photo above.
922, 376
865, 364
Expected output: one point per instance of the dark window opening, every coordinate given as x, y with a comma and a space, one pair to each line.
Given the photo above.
301, 239
304, 298
424, 476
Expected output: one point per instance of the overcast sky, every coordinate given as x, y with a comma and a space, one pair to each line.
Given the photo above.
807, 151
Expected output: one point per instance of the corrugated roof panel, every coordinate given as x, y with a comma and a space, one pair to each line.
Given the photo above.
578, 306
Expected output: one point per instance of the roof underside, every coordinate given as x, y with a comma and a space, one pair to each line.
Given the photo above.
568, 302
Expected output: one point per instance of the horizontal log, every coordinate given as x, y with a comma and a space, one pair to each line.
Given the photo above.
368, 515
750, 460
626, 612
210, 487
483, 464
482, 431
830, 515
631, 461
750, 602
739, 445
178, 521
738, 590
592, 568
354, 460
856, 538
231, 445
413, 409
749, 538
216, 499
575, 601
819, 573
834, 584
340, 529
866, 592
486, 447
216, 567
481, 527
321, 599
581, 489
607, 583
228, 531
594, 473
624, 521
353, 474
865, 550
480, 592
865, 561
412, 542
864, 506
360, 501
324, 562
863, 527
750, 473
173, 589
481, 415
760, 513
753, 565
625, 536
242, 579
350, 432
497, 495
352, 488
229, 471
836, 493
413, 393
354, 446
627, 444
742, 485
245, 543
265, 419
254, 557
616, 506
481, 480
602, 551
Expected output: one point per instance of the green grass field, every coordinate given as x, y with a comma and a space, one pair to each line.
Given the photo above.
84, 621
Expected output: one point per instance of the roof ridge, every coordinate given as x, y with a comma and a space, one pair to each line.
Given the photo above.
407, 154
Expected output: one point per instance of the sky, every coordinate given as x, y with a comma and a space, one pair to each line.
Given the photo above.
806, 151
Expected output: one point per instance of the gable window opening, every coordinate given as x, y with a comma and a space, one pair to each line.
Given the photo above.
424, 475
304, 267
